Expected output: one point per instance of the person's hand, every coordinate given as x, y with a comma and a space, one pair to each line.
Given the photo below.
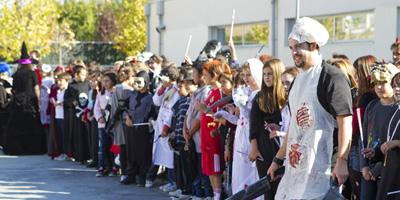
75, 103
366, 173
227, 155
387, 146
186, 134
165, 81
128, 122
89, 116
254, 154
220, 120
368, 152
373, 178
53, 101
272, 169
274, 134
101, 120
188, 60
231, 44
164, 134
230, 108
340, 172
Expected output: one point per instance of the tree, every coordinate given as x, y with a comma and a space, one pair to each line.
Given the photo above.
81, 17
21, 21
106, 26
131, 23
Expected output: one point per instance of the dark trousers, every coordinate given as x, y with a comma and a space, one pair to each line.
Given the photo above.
93, 140
185, 168
61, 136
201, 184
123, 158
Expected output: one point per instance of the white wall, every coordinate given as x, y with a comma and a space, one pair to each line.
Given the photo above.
193, 17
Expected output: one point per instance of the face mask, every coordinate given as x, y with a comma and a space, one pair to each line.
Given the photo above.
139, 83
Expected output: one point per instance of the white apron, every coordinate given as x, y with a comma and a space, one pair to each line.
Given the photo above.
244, 172
162, 153
310, 142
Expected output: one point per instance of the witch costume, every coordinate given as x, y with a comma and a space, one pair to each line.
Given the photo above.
23, 134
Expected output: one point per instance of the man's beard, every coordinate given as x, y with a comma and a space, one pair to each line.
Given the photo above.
300, 65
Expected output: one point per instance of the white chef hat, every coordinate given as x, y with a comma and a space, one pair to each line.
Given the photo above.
256, 70
309, 30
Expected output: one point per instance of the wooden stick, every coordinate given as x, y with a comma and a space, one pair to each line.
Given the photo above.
394, 192
188, 45
232, 23
360, 127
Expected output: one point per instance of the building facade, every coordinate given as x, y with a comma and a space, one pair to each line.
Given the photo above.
356, 27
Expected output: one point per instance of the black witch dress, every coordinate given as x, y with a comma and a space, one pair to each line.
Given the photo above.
23, 133
75, 104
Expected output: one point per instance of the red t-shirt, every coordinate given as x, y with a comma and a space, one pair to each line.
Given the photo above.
207, 124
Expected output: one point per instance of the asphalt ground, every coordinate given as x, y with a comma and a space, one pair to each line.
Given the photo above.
39, 177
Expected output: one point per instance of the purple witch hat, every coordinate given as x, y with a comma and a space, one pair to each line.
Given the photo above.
25, 59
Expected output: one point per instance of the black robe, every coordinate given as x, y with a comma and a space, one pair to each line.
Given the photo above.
139, 141
23, 133
76, 133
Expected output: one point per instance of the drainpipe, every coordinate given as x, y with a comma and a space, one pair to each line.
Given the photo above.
274, 23
161, 26
147, 13
297, 9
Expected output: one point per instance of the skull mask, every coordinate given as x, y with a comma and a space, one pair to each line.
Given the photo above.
83, 100
139, 83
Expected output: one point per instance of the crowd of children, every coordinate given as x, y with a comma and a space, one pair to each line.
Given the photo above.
212, 126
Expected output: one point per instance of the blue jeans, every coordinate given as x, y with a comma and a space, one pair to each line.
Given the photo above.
354, 158
201, 184
104, 153
60, 130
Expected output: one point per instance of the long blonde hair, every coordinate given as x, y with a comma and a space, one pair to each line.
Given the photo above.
347, 68
272, 98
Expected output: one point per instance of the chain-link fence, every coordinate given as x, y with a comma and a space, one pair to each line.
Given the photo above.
102, 53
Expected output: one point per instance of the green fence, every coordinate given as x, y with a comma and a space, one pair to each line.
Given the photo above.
101, 52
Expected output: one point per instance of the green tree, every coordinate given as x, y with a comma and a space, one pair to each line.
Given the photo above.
81, 17
20, 21
131, 24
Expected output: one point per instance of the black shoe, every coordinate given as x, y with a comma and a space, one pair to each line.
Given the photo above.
127, 181
91, 165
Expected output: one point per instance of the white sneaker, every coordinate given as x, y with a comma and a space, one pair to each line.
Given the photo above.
148, 184
175, 193
164, 186
61, 157
170, 188
123, 177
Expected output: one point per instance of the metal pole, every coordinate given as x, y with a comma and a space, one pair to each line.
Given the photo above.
297, 9
274, 28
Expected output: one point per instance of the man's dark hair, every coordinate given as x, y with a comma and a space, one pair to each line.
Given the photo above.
172, 72
78, 69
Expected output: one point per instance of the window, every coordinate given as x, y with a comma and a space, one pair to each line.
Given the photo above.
243, 34
346, 27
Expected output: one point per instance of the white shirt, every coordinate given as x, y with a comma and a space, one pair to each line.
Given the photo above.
60, 108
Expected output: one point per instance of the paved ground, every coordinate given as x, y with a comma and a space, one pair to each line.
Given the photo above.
38, 177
